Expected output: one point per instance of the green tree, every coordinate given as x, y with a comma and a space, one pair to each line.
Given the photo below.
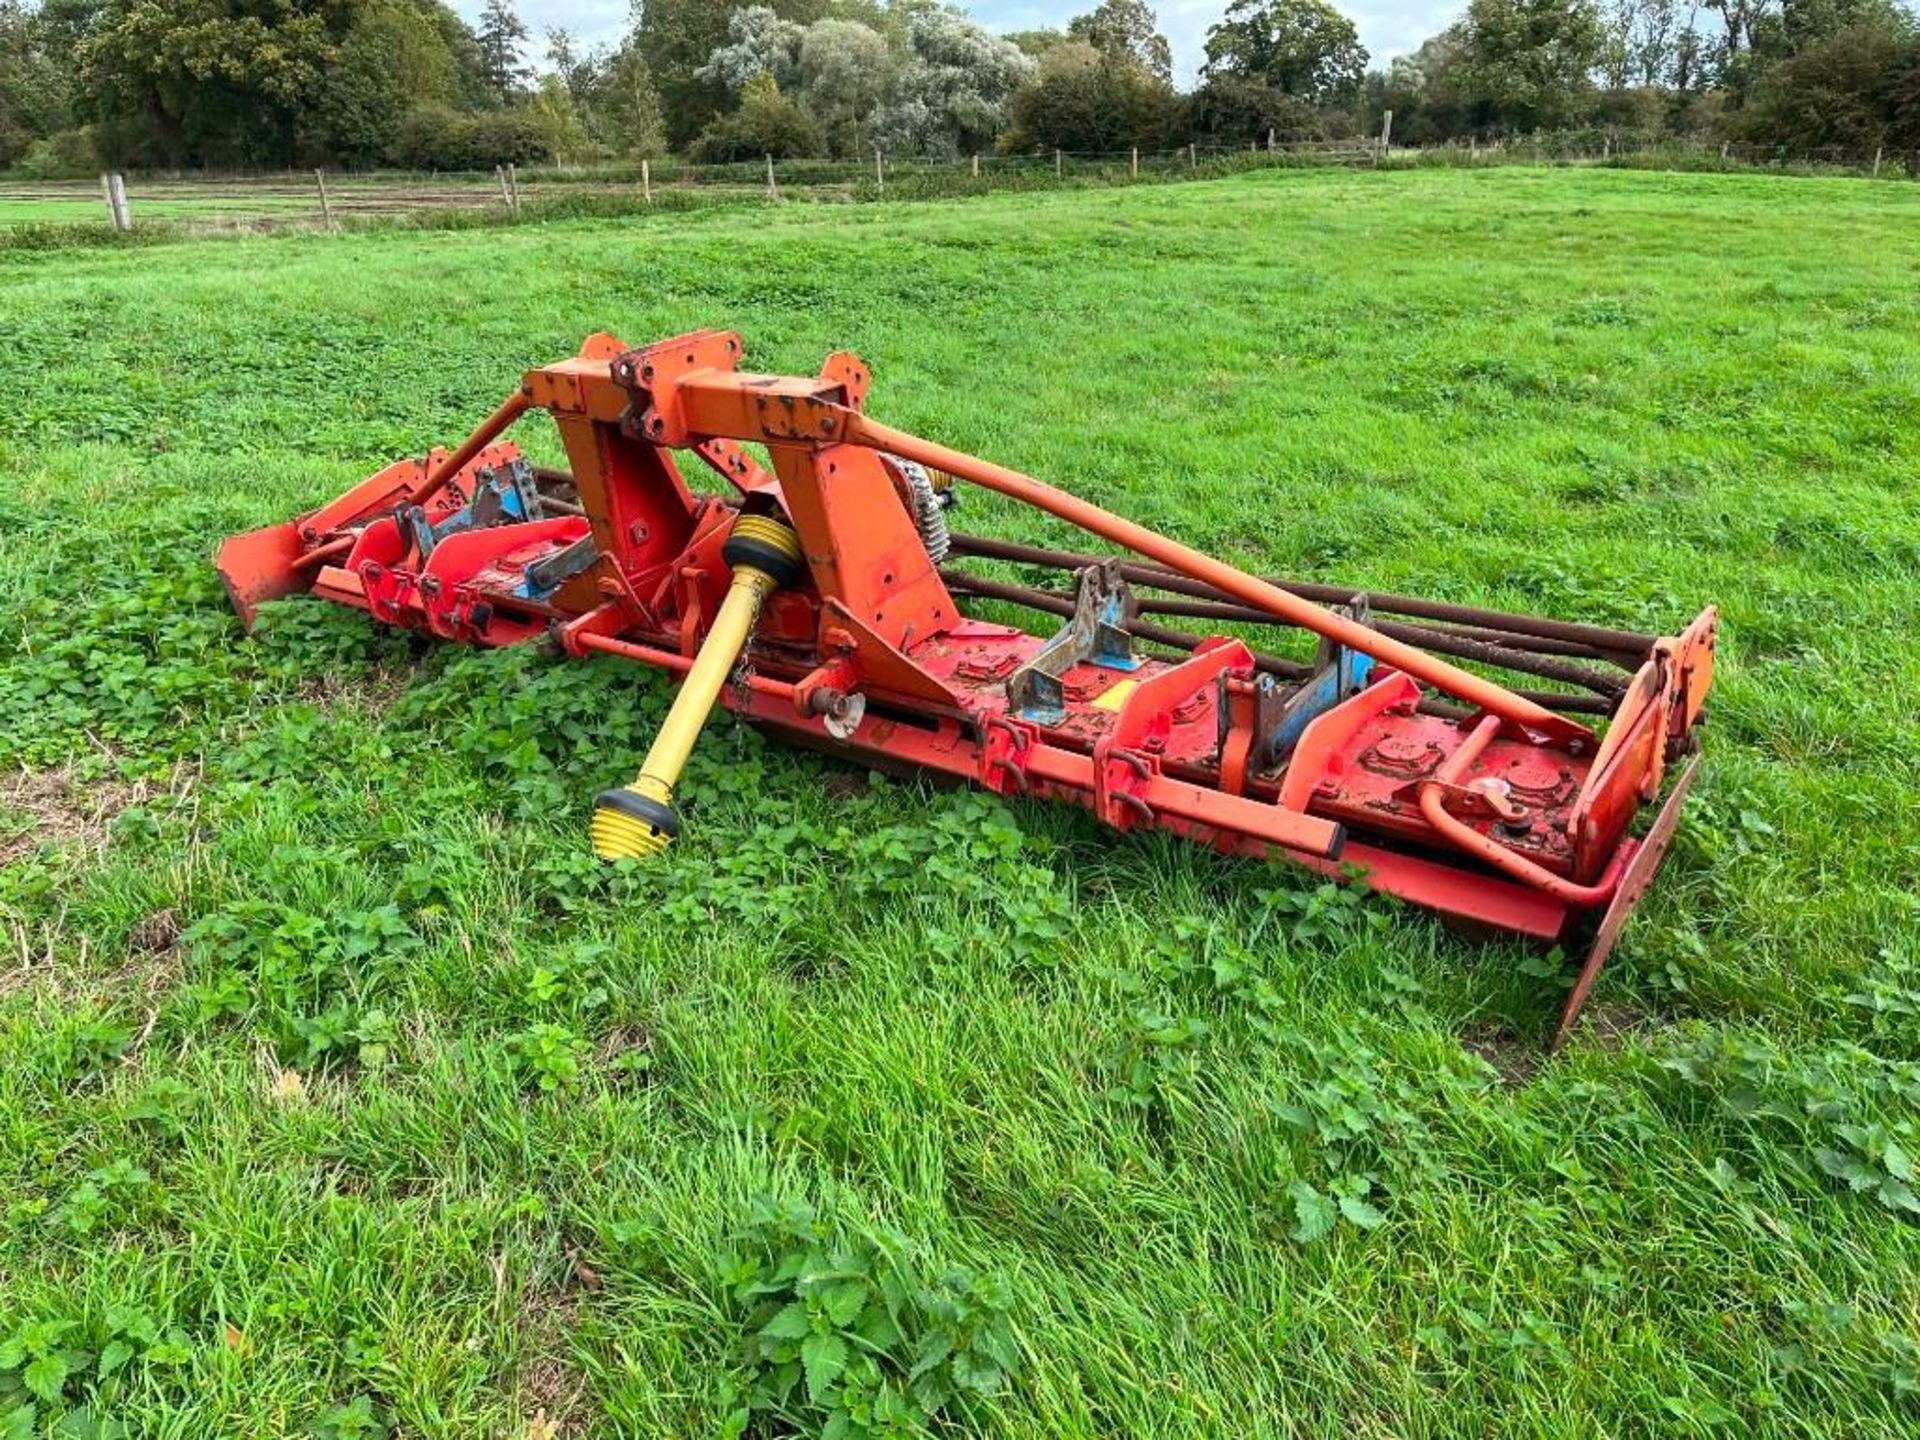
36, 81
576, 68
1081, 99
207, 81
1227, 110
950, 97
1526, 65
766, 124
759, 42
1797, 25
1422, 91
1126, 30
845, 68
628, 106
1304, 48
611, 104
503, 63
564, 121
678, 38
1035, 43
394, 57
1843, 91
249, 82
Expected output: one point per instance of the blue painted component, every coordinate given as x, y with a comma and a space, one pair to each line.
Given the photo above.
1112, 645
502, 497
1096, 635
1327, 688
1341, 674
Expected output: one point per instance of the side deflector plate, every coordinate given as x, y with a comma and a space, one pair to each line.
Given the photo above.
1633, 884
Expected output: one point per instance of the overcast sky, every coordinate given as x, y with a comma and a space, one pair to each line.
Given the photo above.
1387, 27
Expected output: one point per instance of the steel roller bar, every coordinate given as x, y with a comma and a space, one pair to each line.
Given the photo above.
1052, 602
1444, 642
1613, 642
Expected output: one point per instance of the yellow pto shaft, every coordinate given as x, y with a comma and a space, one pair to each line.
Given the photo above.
638, 820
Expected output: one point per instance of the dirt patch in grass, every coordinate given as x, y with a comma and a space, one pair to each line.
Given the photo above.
625, 1039
1608, 1024
57, 806
548, 1383
1515, 1060
845, 785
370, 694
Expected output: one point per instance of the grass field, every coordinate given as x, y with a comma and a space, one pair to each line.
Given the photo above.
341, 1093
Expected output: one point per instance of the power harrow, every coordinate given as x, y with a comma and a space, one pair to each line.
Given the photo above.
819, 595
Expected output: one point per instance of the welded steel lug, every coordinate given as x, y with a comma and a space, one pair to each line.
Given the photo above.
1097, 635
1488, 797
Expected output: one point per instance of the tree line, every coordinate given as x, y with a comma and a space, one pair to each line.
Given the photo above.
370, 83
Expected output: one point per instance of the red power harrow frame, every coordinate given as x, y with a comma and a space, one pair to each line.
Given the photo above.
823, 589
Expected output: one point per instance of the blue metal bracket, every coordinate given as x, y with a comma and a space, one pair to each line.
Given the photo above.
1284, 711
1096, 635
502, 496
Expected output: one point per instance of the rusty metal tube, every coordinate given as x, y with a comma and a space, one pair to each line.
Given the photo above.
1450, 679
320, 554
1445, 642
490, 429
1504, 639
1052, 602
1462, 835
1625, 643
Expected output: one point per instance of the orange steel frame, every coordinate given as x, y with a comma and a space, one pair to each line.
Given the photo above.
1513, 819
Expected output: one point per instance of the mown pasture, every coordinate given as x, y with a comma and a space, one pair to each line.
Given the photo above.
342, 1093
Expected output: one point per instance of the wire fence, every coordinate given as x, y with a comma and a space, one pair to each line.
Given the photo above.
203, 202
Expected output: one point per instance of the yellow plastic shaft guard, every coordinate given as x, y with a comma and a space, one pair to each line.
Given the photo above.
620, 836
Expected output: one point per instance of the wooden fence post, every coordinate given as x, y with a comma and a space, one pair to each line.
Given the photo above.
1879, 151
646, 180
1193, 156
1386, 135
773, 190
506, 195
326, 206
1473, 149
976, 167
1059, 166
879, 172
1136, 162
114, 187
513, 185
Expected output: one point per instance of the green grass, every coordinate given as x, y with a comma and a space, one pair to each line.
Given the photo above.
339, 1087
